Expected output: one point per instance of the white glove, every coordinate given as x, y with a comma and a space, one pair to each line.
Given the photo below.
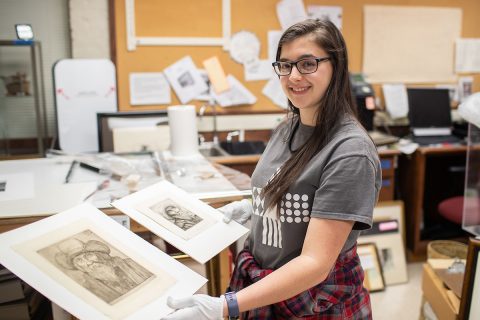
240, 211
198, 307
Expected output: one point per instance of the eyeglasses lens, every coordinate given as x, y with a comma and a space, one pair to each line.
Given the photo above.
307, 66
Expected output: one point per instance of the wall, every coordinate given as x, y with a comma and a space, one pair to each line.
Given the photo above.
188, 18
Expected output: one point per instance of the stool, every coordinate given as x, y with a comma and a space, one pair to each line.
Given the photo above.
452, 209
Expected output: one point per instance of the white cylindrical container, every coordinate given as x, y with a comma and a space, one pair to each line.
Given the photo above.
183, 130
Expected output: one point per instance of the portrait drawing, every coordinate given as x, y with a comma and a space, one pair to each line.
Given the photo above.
176, 214
97, 266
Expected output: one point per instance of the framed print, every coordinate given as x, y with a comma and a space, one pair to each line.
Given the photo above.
469, 306
371, 265
391, 210
387, 238
94, 268
182, 220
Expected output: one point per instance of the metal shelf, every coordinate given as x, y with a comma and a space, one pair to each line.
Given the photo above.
38, 87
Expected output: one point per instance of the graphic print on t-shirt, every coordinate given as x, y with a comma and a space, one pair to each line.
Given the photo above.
294, 208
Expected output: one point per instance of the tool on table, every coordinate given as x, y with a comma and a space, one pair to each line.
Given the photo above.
101, 186
70, 171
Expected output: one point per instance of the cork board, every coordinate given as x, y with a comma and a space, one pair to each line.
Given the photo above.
186, 18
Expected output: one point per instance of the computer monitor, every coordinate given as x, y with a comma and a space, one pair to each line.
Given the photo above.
429, 111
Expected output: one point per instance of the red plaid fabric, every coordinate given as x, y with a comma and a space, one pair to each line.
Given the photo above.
340, 296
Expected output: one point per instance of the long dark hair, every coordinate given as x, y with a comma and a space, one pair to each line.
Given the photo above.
335, 104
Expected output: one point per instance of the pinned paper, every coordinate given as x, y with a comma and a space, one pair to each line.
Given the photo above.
216, 74
396, 100
237, 95
258, 70
273, 90
332, 13
149, 88
273, 39
185, 79
290, 12
244, 47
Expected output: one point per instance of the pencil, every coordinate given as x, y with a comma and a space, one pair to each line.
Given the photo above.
70, 171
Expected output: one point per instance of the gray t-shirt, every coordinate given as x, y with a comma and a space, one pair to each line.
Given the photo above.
341, 182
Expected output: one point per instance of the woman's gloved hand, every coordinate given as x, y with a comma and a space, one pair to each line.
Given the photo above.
198, 307
239, 211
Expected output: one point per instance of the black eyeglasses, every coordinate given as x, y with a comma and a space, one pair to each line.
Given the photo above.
304, 66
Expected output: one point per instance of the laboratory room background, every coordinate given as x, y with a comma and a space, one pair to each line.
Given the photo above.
239, 159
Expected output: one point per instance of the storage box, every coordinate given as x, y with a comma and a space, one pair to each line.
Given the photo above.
436, 294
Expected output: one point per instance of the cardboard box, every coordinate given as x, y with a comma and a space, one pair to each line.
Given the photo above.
436, 294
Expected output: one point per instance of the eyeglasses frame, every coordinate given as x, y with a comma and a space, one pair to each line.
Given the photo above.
294, 63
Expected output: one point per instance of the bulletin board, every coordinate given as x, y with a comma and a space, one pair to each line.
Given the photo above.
186, 18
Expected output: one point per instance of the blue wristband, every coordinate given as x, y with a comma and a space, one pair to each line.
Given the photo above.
232, 305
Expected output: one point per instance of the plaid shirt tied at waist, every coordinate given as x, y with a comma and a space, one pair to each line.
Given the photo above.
340, 296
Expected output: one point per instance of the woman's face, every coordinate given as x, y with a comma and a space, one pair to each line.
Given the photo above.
305, 90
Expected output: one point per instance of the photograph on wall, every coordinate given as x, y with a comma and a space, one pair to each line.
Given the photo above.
94, 268
181, 219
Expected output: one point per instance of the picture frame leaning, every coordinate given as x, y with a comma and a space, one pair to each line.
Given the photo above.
372, 267
94, 268
469, 306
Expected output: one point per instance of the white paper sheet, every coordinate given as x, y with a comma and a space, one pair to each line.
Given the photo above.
38, 187
467, 55
203, 246
332, 13
290, 12
21, 251
17, 186
396, 100
237, 95
149, 88
185, 79
258, 70
244, 47
273, 90
273, 39
205, 95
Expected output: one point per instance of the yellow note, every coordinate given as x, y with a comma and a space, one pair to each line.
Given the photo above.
216, 74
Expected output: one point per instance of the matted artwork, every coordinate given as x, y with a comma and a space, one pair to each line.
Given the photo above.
177, 218
95, 268
182, 220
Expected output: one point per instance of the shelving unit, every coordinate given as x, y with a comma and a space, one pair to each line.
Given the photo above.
38, 95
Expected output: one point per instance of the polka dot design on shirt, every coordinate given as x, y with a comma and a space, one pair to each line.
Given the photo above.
294, 208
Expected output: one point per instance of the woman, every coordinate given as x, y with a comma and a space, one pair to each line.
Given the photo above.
314, 189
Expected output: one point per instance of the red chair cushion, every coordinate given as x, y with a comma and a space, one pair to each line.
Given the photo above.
452, 209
